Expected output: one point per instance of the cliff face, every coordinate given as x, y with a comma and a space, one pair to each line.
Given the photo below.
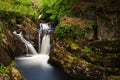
104, 13
98, 46
10, 46
97, 61
67, 55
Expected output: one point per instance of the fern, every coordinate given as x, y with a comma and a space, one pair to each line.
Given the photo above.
53, 9
56, 8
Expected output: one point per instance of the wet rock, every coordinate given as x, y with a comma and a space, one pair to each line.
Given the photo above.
12, 74
108, 52
15, 74
4, 57
72, 65
4, 77
112, 77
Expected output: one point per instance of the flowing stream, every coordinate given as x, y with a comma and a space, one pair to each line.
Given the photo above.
34, 66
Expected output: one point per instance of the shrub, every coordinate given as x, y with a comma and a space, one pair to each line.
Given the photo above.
55, 8
66, 30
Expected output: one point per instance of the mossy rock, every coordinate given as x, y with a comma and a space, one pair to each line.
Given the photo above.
10, 46
72, 65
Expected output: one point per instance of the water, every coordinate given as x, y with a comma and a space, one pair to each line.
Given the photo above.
28, 45
35, 66
45, 46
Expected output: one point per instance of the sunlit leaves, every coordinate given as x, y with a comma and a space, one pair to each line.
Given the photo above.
26, 7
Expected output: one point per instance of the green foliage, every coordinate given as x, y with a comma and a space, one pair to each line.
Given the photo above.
90, 25
55, 8
88, 50
13, 63
24, 7
52, 9
21, 2
66, 30
4, 70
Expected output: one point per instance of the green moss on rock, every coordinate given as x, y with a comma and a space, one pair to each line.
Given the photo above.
72, 65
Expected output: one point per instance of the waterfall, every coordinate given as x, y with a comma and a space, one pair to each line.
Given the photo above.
44, 40
29, 46
45, 44
35, 66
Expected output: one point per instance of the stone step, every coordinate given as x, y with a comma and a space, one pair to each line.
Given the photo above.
109, 60
106, 46
112, 71
112, 77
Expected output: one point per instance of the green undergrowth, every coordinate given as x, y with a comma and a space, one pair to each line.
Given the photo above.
55, 9
24, 7
66, 30
6, 69
88, 50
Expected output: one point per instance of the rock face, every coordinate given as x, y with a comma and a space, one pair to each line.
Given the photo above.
13, 74
97, 55
76, 67
4, 57
81, 63
104, 13
10, 46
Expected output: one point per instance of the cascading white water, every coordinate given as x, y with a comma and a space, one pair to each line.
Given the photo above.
28, 45
45, 45
35, 66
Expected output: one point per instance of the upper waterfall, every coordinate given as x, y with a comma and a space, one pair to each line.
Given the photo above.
44, 38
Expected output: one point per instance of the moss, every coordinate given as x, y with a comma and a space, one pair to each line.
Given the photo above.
2, 30
3, 37
88, 50
70, 57
113, 77
72, 44
75, 67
